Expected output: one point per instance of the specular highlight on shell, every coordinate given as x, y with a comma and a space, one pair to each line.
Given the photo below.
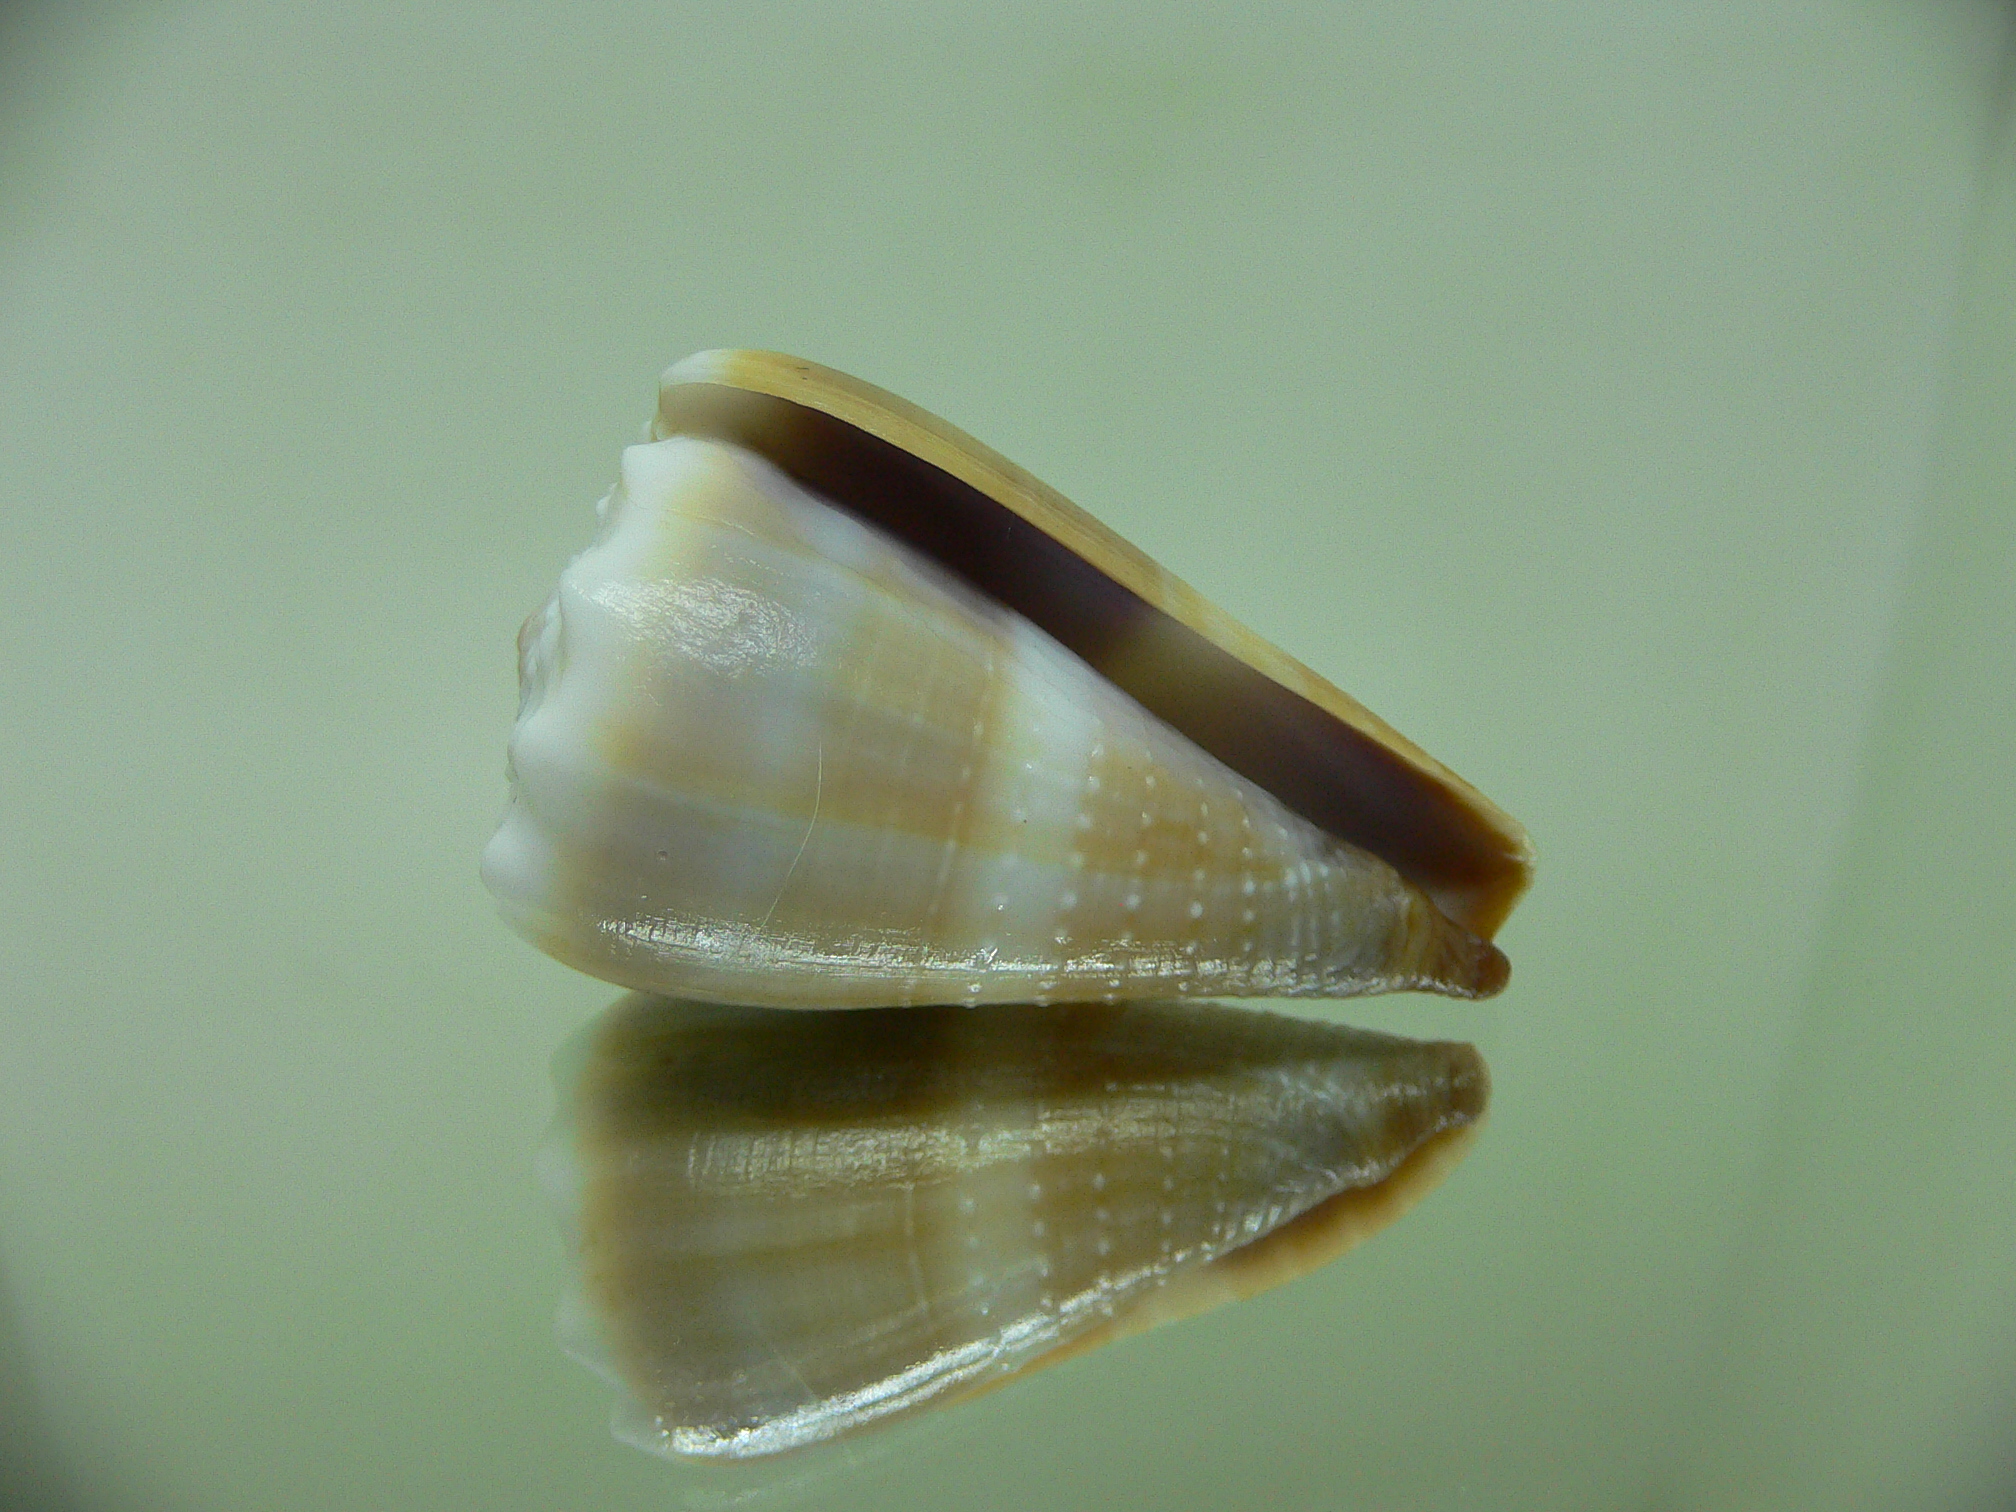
842, 710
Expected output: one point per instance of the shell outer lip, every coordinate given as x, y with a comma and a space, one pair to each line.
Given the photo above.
1252, 706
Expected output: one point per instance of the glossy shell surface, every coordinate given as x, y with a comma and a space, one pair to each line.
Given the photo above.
843, 710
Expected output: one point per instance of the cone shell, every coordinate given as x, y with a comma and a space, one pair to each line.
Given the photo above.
791, 1227
786, 740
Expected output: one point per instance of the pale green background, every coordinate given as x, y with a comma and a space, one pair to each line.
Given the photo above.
1616, 396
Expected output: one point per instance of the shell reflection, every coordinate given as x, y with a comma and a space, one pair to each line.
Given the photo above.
792, 1226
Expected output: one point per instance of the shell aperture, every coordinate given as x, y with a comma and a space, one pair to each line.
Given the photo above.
793, 1226
768, 753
